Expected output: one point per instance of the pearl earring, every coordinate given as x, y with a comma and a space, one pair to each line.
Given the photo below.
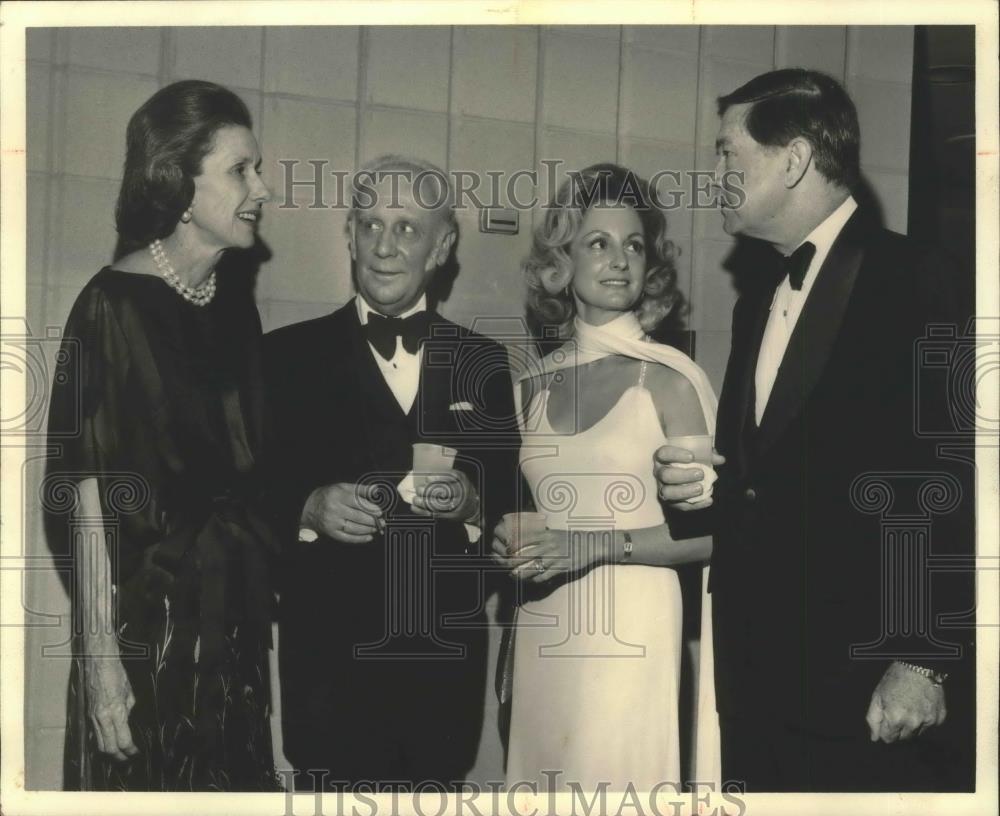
186, 215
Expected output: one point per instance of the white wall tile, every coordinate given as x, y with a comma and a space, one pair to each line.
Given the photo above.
882, 52
286, 312
575, 151
408, 66
310, 260
580, 86
494, 72
659, 94
712, 292
820, 48
750, 43
884, 116
34, 307
37, 228
481, 147
39, 114
489, 280
296, 130
136, 50
721, 77
39, 43
711, 352
98, 108
317, 61
86, 215
663, 37
649, 160
707, 221
891, 192
59, 300
682, 262
229, 56
413, 134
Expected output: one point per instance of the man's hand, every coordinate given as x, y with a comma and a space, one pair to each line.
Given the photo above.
448, 495
676, 484
904, 704
344, 512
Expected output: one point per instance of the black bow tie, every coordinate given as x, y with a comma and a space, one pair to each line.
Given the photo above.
796, 264
382, 332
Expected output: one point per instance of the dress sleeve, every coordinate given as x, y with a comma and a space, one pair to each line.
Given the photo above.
85, 409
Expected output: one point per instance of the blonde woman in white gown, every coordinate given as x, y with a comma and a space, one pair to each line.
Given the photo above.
597, 643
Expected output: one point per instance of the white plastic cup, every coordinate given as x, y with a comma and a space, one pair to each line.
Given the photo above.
429, 459
521, 527
700, 446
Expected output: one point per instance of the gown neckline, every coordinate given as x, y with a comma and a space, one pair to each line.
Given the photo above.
621, 399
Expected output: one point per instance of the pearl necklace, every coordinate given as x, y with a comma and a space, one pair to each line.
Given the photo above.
199, 296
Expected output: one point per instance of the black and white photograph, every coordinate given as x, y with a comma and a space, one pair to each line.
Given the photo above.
446, 408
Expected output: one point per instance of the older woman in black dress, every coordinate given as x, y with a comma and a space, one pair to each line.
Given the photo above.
158, 416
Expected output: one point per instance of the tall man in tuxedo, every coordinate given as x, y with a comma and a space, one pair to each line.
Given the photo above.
819, 394
382, 632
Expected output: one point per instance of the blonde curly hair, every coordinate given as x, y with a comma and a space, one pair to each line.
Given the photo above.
600, 184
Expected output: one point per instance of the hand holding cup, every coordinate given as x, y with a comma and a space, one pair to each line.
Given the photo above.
685, 471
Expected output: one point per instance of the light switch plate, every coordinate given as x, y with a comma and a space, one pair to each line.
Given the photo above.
502, 220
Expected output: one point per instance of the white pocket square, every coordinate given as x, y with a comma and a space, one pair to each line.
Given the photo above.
461, 406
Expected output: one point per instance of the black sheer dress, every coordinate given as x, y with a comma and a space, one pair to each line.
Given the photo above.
161, 401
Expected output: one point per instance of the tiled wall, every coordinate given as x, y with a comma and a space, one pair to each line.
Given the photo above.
503, 98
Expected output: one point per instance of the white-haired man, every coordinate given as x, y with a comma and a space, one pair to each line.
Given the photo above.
383, 636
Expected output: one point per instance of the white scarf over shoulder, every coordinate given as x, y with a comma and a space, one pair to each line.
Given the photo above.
625, 337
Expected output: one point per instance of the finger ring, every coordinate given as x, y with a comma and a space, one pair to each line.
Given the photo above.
343, 526
539, 566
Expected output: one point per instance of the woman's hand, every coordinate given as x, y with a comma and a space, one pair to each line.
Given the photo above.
109, 701
547, 553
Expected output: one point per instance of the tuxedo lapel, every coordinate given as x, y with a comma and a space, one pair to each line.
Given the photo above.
815, 333
745, 387
437, 363
362, 383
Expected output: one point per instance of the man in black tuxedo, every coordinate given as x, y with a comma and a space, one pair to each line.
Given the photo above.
826, 680
382, 643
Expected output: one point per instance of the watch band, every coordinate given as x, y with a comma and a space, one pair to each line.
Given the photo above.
937, 678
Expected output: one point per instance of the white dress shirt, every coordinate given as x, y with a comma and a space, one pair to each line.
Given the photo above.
402, 372
787, 305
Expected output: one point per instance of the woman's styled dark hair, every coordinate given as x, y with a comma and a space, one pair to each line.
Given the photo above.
166, 140
794, 102
600, 185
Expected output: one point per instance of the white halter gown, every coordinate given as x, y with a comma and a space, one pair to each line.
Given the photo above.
597, 662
